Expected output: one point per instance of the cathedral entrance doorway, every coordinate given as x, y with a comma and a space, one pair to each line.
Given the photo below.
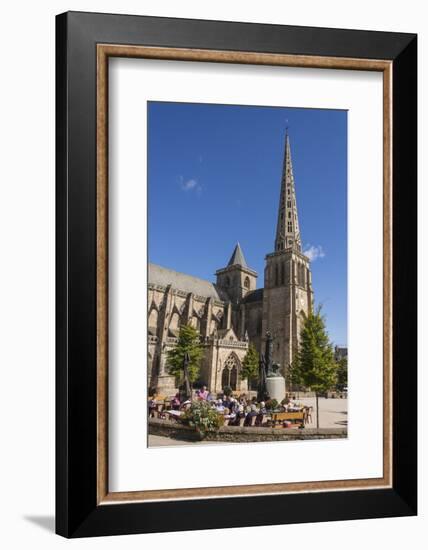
229, 376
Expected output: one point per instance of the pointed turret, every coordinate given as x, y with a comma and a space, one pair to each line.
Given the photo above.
237, 279
287, 228
237, 257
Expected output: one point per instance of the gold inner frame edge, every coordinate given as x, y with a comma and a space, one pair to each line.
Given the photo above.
104, 51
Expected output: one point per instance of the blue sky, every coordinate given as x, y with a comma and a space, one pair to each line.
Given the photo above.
214, 174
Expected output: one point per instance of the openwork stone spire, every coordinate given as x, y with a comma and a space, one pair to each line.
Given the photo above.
287, 229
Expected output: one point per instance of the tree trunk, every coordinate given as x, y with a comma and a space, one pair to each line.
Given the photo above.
318, 415
187, 382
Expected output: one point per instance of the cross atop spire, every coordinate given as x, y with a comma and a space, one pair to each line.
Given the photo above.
287, 228
237, 257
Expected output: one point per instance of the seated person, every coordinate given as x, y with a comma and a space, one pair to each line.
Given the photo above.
227, 401
220, 406
252, 412
240, 413
243, 399
185, 405
152, 405
175, 402
203, 393
261, 413
234, 405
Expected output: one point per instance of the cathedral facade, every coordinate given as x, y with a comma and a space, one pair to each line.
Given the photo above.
233, 313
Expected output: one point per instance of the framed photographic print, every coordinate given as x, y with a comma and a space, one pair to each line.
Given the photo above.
236, 274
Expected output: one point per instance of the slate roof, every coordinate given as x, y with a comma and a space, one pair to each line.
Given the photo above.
254, 296
226, 332
237, 257
163, 276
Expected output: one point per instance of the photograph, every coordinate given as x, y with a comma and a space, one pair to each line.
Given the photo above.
247, 274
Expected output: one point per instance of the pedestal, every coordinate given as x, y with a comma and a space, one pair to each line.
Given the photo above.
276, 387
166, 385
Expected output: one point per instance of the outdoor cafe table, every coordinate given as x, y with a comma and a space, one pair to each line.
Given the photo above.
174, 414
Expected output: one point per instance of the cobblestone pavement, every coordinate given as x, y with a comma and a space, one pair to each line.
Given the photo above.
333, 414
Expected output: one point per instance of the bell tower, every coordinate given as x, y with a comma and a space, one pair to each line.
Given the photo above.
237, 279
287, 286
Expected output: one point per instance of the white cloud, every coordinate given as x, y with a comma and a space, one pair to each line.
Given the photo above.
190, 185
313, 252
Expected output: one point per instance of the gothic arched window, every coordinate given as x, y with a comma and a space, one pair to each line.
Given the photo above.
195, 323
153, 318
299, 274
174, 323
247, 283
229, 376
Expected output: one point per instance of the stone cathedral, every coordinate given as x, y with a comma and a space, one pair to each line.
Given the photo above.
232, 313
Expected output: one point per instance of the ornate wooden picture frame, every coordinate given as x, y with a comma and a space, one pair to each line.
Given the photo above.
84, 504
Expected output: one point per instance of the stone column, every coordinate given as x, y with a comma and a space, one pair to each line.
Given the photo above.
164, 317
165, 382
242, 322
208, 317
309, 288
229, 316
189, 308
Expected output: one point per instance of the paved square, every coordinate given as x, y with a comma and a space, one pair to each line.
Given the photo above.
333, 414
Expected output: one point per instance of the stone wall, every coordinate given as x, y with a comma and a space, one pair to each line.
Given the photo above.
287, 296
253, 322
168, 309
236, 434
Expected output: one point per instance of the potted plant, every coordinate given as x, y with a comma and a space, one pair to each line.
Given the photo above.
203, 418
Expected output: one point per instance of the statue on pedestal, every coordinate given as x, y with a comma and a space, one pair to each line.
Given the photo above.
269, 354
272, 383
262, 393
265, 368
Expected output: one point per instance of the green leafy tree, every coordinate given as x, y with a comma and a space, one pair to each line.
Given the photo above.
342, 373
250, 364
188, 342
315, 366
227, 390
